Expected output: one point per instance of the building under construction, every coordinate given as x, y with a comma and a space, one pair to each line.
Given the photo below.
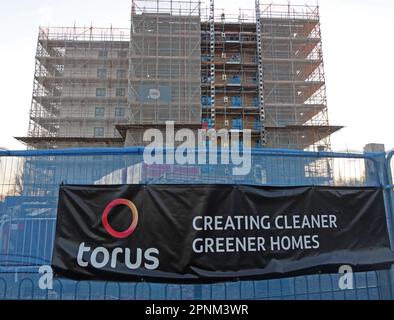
199, 66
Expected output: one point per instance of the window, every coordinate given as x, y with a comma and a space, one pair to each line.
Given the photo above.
101, 92
120, 92
103, 54
101, 73
121, 73
119, 112
99, 132
99, 112
122, 54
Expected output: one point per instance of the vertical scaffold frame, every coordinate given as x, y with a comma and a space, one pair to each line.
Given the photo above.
260, 75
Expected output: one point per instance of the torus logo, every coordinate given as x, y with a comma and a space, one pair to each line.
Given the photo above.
101, 257
134, 213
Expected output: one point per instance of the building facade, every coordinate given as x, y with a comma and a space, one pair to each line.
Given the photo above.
260, 69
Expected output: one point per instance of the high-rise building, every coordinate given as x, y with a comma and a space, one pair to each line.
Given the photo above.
259, 69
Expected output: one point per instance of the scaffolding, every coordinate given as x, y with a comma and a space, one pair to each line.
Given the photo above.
165, 63
79, 90
269, 76
260, 74
260, 69
295, 90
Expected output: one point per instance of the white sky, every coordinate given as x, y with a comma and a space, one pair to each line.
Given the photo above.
358, 46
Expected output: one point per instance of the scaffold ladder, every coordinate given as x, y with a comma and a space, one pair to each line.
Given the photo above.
263, 140
212, 58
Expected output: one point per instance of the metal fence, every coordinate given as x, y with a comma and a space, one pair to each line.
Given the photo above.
29, 182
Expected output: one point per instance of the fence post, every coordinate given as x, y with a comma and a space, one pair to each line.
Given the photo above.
197, 292
384, 278
390, 203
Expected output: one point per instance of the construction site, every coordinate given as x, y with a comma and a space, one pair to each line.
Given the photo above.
186, 62
191, 230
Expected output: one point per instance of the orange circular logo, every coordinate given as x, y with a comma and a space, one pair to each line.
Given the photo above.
130, 229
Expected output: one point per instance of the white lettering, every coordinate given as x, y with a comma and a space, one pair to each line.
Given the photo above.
114, 257
195, 227
45, 282
93, 257
153, 152
81, 251
154, 261
230, 244
101, 257
187, 151
186, 147
346, 281
138, 258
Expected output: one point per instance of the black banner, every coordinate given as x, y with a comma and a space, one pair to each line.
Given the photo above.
207, 233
